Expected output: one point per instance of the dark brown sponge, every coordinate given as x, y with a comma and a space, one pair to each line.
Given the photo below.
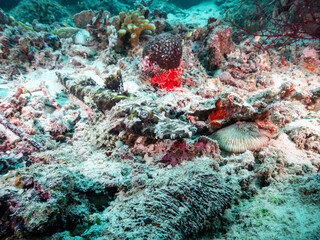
165, 50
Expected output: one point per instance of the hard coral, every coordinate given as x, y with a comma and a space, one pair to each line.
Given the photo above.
130, 26
241, 137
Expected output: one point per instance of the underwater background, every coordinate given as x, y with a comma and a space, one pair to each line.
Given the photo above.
149, 119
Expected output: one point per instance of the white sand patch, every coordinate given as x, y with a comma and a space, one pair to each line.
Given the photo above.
33, 80
310, 123
198, 14
131, 86
277, 79
292, 154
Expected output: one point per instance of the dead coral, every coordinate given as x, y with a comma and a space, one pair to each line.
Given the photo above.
305, 137
179, 203
219, 44
24, 136
82, 19
44, 204
23, 49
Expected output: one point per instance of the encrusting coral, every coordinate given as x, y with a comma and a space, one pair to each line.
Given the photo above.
130, 25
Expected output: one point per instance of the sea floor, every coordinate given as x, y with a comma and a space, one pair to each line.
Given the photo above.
150, 165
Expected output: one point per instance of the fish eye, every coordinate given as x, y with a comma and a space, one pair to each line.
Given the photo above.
143, 115
167, 108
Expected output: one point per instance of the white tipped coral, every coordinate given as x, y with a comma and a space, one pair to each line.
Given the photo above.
242, 136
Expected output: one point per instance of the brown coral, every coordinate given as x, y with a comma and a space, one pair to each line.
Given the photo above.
130, 26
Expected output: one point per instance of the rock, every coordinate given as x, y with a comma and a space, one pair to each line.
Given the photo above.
82, 37
82, 19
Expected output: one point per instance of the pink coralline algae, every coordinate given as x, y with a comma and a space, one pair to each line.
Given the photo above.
219, 44
310, 56
183, 151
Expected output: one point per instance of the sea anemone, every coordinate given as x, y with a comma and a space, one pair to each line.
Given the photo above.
242, 136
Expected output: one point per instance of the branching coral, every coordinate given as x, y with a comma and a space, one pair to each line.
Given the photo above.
130, 25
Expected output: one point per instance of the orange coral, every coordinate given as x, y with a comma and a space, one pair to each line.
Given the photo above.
220, 113
217, 115
267, 125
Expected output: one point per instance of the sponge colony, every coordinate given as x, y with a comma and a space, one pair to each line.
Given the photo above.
165, 50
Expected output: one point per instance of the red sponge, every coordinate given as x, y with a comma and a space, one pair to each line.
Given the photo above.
168, 80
